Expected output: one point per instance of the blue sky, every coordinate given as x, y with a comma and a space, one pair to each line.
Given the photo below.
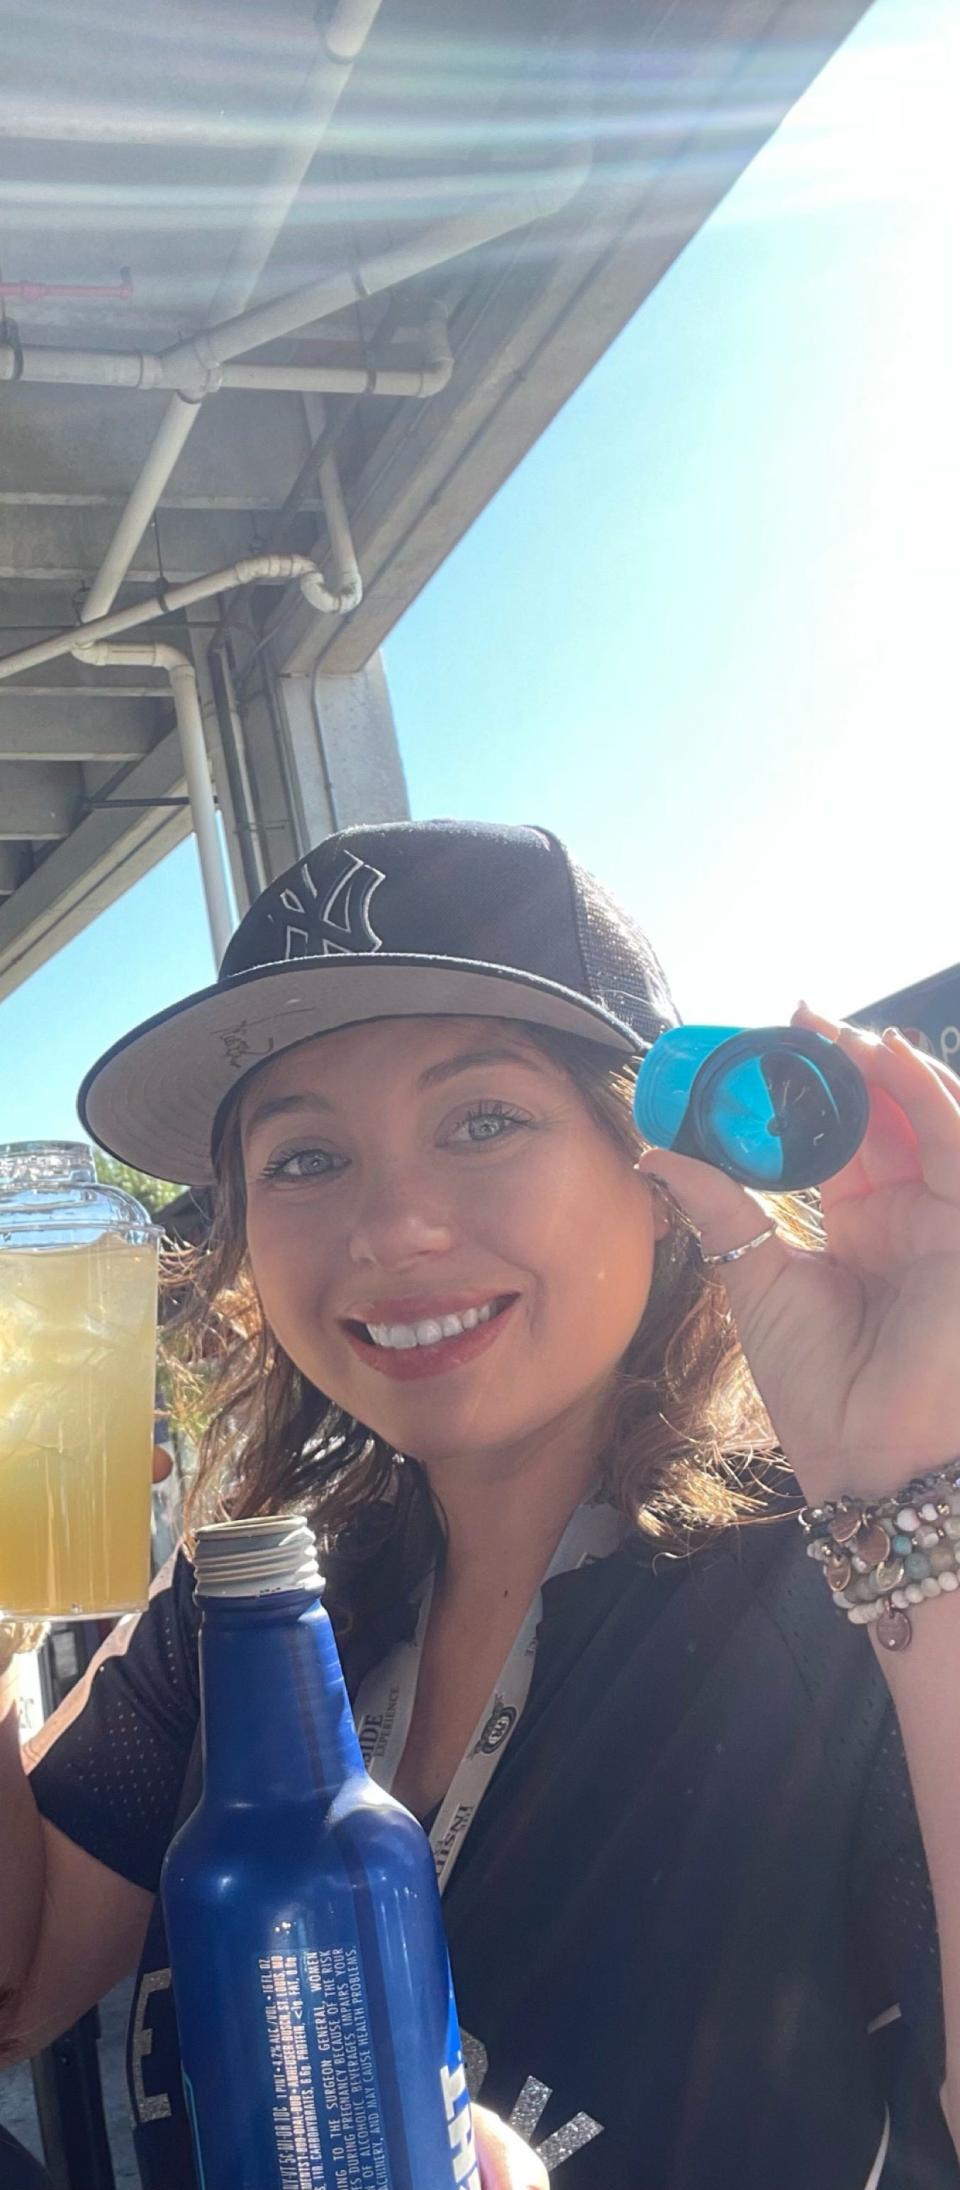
707, 630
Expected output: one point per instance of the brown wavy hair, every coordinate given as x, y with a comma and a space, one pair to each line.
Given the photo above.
687, 1449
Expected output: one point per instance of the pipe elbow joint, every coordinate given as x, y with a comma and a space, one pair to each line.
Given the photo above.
351, 592
193, 370
319, 596
438, 356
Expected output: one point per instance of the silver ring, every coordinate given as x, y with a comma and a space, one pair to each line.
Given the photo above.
733, 1254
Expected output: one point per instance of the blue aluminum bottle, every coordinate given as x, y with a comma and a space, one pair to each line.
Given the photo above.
318, 2032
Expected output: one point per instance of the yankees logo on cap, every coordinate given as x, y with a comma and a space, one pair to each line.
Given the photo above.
394, 920
330, 926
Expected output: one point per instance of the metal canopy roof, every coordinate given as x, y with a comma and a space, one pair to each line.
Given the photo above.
137, 145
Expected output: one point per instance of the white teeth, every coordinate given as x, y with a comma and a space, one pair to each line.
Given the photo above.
401, 1336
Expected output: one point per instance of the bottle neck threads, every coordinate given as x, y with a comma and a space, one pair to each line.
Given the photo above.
277, 1723
258, 1558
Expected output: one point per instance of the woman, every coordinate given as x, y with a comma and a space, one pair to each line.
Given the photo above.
686, 1885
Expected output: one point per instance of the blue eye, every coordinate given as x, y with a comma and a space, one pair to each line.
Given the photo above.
488, 1121
314, 1163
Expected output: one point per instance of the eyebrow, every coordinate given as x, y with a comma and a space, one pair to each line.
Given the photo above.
500, 1053
275, 1106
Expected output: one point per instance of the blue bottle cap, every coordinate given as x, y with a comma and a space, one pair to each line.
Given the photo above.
775, 1107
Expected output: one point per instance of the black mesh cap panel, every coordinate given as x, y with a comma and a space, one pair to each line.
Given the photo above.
622, 969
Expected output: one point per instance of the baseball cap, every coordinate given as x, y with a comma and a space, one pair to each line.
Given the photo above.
400, 919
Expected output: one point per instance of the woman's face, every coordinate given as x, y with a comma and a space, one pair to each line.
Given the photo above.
442, 1237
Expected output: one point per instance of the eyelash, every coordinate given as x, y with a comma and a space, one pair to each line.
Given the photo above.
503, 1113
277, 1168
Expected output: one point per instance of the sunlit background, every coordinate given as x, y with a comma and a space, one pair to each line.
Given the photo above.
707, 630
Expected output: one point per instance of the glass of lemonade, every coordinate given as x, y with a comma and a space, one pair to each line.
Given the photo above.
78, 1325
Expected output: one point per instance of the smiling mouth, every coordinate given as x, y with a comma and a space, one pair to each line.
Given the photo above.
428, 1333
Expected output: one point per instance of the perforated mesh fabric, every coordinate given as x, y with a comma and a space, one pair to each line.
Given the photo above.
622, 969
892, 1915
113, 1779
721, 1875
892, 1896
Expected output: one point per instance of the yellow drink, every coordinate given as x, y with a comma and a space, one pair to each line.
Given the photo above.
77, 1371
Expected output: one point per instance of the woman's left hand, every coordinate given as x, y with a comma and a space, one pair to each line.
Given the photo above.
855, 1348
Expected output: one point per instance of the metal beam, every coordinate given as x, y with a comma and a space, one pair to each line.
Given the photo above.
533, 324
96, 864
37, 803
300, 762
13, 865
76, 727
527, 325
252, 740
58, 547
88, 445
210, 693
22, 608
344, 751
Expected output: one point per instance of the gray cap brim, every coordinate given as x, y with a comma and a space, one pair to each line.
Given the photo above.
153, 1099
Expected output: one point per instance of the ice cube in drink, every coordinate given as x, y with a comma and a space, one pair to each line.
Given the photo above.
77, 1372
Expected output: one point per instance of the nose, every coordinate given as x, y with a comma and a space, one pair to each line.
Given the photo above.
401, 1218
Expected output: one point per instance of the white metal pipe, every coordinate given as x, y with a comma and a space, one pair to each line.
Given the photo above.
193, 370
432, 247
209, 351
238, 744
139, 370
80, 368
343, 40
252, 568
176, 425
196, 768
389, 380
345, 593
420, 254
196, 765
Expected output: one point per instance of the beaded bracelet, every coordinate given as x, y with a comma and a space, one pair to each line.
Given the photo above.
882, 1560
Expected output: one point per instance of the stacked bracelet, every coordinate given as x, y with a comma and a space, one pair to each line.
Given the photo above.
882, 1560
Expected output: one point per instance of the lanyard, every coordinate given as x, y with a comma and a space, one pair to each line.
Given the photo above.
384, 1706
